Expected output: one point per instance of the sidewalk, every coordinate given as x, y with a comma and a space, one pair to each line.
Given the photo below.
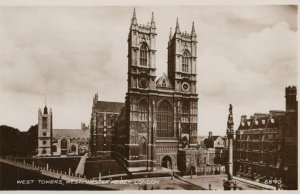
268, 187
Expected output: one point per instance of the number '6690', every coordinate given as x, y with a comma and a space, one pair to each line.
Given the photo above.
271, 181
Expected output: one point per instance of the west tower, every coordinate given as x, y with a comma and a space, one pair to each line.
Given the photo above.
182, 63
160, 116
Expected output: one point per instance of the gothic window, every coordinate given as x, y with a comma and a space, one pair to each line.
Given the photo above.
185, 112
64, 144
143, 110
44, 123
101, 121
44, 142
143, 55
165, 121
185, 62
143, 147
108, 121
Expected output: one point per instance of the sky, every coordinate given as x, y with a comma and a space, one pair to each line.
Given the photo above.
247, 55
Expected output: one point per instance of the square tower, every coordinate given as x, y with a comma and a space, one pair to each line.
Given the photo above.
45, 132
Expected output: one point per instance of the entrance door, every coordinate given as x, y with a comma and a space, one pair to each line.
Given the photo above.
167, 162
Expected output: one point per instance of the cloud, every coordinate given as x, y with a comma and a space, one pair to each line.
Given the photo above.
246, 56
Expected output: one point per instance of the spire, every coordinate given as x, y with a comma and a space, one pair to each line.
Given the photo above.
193, 30
170, 34
177, 30
134, 20
152, 21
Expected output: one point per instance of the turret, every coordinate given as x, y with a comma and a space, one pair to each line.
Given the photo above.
291, 102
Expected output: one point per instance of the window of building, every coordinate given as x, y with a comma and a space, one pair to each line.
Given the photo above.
44, 133
101, 121
108, 121
143, 109
143, 147
44, 142
185, 112
164, 83
44, 122
143, 55
64, 144
44, 151
54, 148
165, 121
73, 148
185, 62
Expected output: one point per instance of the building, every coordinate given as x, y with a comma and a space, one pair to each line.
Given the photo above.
202, 161
215, 141
45, 132
103, 118
160, 115
266, 144
70, 142
60, 142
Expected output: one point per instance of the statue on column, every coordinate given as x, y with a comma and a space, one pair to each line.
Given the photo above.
230, 184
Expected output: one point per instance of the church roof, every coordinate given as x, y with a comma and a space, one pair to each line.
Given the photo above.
105, 106
72, 133
163, 82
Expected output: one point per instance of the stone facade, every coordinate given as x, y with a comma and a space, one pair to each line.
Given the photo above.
160, 116
70, 142
202, 161
44, 132
266, 144
103, 119
60, 142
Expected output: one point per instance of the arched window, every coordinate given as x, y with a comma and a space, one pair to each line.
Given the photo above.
64, 144
165, 121
108, 120
101, 121
143, 109
143, 55
185, 112
185, 62
143, 147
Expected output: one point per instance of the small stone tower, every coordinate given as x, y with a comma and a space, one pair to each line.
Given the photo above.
45, 132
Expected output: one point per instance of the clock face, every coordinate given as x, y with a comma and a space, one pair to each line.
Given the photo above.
143, 83
185, 86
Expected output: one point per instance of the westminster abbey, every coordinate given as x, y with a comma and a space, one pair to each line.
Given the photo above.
159, 116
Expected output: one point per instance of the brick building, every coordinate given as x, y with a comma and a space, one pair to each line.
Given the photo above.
266, 144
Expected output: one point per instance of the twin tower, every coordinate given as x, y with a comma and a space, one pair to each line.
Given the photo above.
182, 55
160, 116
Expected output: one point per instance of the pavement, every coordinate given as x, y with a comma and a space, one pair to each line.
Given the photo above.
216, 182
